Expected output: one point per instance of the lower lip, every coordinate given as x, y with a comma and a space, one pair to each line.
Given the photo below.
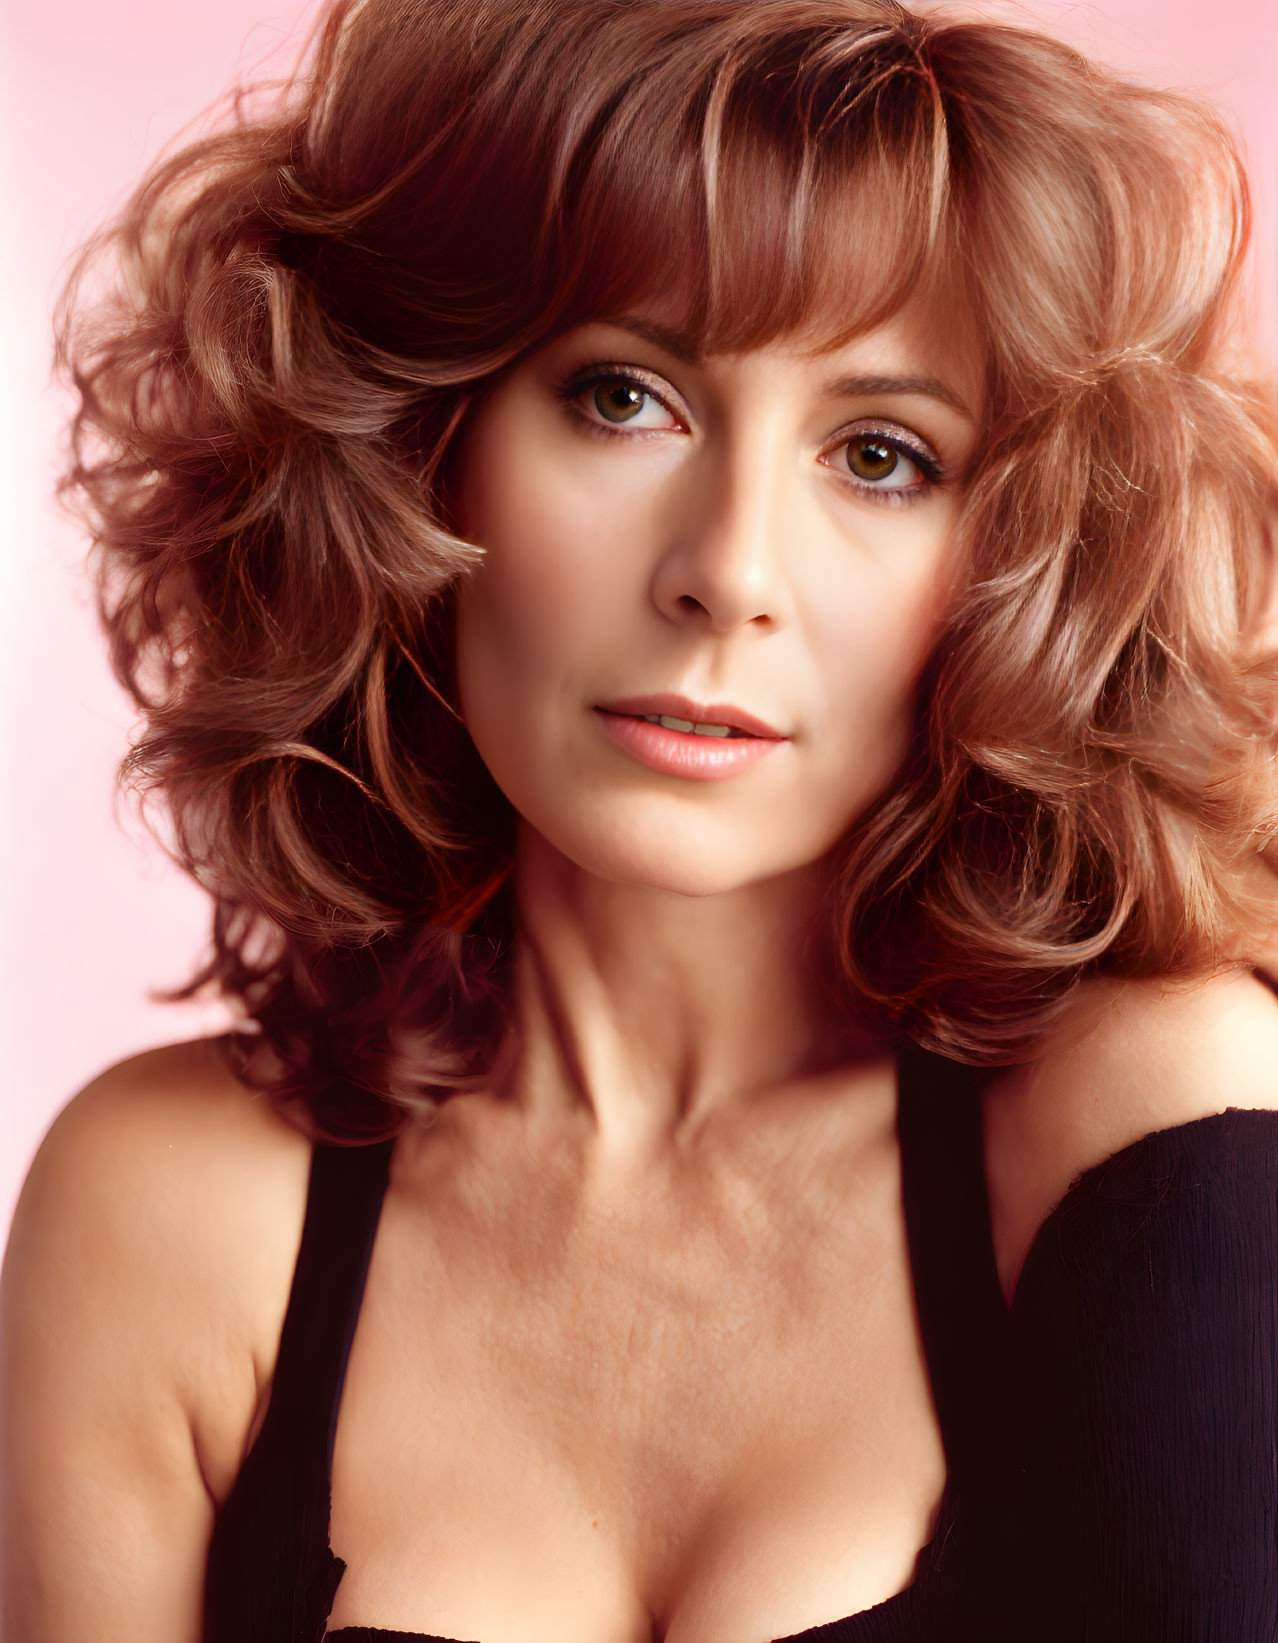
683, 752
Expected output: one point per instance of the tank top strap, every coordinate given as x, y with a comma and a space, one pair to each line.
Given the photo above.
270, 1574
963, 1317
343, 1206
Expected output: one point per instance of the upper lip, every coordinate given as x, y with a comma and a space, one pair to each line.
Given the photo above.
700, 713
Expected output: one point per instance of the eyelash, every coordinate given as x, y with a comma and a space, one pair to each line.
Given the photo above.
930, 470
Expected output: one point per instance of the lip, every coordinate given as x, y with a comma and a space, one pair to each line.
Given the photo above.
700, 713
683, 752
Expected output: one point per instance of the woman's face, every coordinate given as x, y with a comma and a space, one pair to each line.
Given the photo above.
769, 530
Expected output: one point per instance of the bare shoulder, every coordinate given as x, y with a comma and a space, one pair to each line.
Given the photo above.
167, 1152
167, 1113
1128, 1059
144, 1286
157, 1229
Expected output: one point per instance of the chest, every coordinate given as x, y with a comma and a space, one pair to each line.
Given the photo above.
568, 1425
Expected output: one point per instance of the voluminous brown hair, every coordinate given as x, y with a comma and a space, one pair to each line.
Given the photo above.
306, 303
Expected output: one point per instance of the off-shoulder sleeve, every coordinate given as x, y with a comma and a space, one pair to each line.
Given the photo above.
1145, 1343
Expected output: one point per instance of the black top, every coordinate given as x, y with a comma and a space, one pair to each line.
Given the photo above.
1112, 1441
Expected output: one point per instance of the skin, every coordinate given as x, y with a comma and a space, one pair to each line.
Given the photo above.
590, 1397
710, 1191
716, 542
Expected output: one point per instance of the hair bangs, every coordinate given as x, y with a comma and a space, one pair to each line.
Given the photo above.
805, 200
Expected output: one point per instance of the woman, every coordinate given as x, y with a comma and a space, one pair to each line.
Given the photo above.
723, 1190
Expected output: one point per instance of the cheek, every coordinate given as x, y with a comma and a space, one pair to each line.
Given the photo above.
540, 590
532, 614
542, 519
875, 624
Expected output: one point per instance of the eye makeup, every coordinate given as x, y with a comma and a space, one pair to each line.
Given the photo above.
571, 388
889, 445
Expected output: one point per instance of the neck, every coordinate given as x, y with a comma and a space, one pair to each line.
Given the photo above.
641, 1012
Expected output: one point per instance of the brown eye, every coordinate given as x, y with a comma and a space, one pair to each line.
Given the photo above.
871, 458
617, 400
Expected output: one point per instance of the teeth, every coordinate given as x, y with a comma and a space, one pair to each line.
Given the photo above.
687, 725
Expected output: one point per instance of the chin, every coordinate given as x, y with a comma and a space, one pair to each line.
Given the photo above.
689, 879
662, 859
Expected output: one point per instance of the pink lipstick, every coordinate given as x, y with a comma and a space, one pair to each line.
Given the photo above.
731, 741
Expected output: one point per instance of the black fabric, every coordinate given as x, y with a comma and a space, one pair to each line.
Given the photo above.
1145, 1327
270, 1577
1111, 1441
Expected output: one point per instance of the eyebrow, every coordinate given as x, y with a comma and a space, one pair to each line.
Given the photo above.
859, 385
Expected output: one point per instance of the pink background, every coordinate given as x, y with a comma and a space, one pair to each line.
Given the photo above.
93, 915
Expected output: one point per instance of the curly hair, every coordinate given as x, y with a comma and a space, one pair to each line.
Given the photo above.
306, 303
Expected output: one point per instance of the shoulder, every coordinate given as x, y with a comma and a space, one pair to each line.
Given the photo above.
167, 1151
155, 1234
1128, 1059
161, 1112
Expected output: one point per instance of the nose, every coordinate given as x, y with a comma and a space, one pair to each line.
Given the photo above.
726, 563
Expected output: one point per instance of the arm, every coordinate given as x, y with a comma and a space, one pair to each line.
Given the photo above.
1145, 1318
127, 1372
1146, 1330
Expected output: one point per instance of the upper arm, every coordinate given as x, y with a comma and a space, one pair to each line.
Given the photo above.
1130, 1059
1144, 1400
1143, 1406
129, 1324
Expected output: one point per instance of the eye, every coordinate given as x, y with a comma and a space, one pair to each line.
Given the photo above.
610, 401
874, 459
886, 466
617, 400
